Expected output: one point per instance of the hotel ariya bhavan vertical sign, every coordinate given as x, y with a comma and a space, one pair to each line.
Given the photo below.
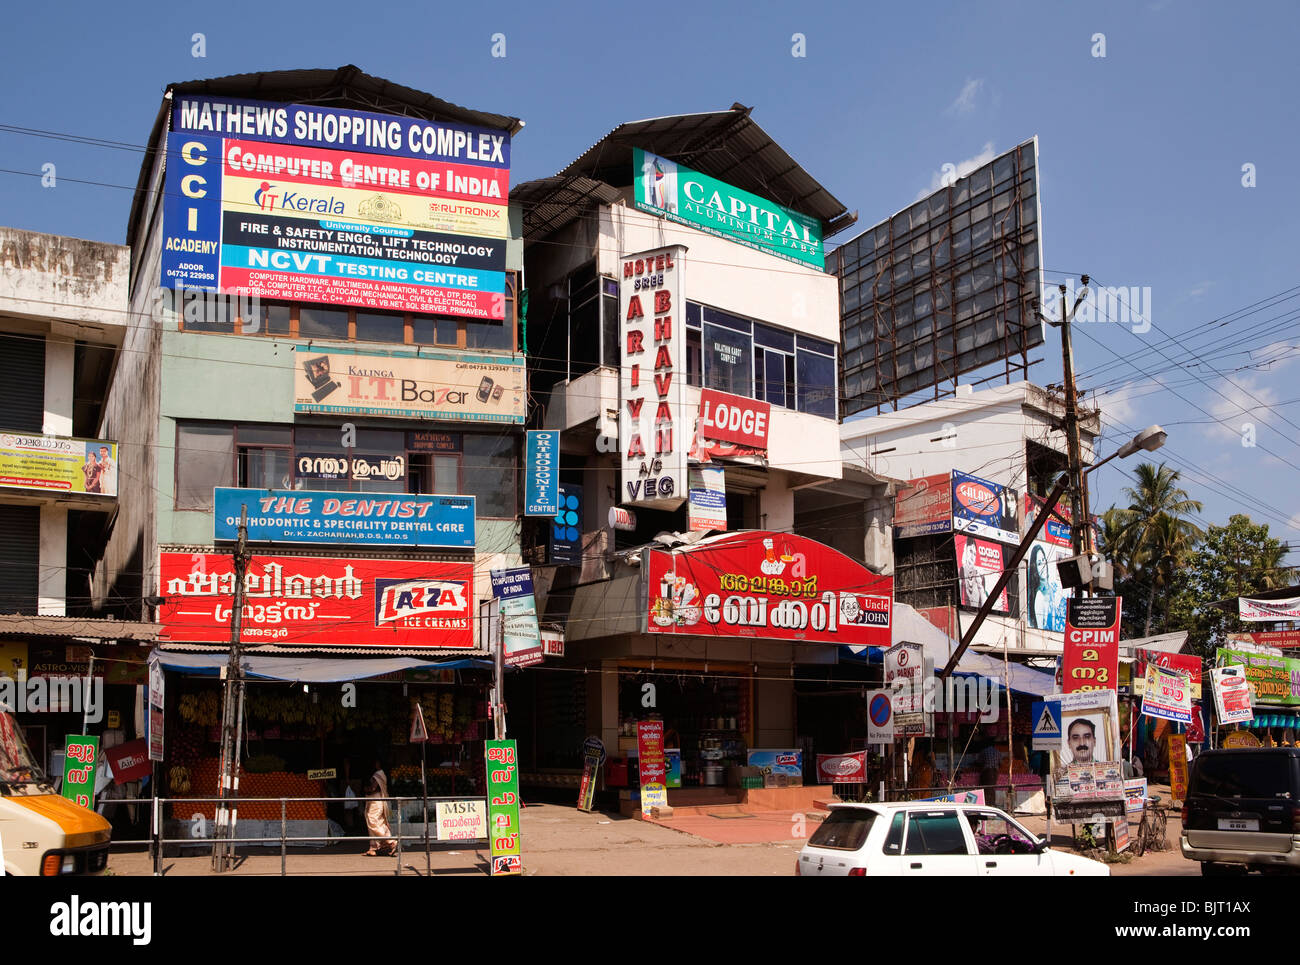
652, 435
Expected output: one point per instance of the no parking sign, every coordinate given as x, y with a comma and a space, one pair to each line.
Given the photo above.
880, 717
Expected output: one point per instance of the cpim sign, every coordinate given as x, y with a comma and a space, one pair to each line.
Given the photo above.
1091, 644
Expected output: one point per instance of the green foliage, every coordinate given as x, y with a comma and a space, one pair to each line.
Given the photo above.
1239, 559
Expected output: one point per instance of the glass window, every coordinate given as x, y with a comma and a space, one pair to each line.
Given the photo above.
208, 312
845, 829
694, 357
693, 314
609, 329
894, 840
380, 327
489, 474
263, 435
815, 376
489, 334
773, 338
322, 323
728, 360
728, 320
994, 834
271, 319
426, 330
935, 832
265, 468
204, 459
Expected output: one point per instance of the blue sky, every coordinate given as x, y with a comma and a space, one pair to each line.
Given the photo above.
1141, 150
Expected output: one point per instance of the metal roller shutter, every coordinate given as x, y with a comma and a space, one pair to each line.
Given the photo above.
22, 390
20, 553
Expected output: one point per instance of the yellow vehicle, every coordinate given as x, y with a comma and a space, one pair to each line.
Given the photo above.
42, 833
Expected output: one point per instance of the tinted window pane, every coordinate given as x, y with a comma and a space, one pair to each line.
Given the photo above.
1242, 775
894, 841
494, 335
380, 327
935, 833
489, 473
728, 360
264, 468
265, 435
846, 828
434, 331
816, 377
322, 323
204, 459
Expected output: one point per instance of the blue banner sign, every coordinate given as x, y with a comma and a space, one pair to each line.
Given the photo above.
368, 519
541, 490
566, 527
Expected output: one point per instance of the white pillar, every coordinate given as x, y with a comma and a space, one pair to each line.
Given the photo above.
52, 571
59, 357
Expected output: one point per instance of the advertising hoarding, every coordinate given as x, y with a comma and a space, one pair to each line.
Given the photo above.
328, 205
708, 498
80, 766
979, 564
1273, 679
732, 418
1168, 696
1188, 664
1092, 629
566, 527
673, 190
984, 508
1267, 611
1281, 639
842, 768
1232, 702
652, 763
523, 638
461, 820
502, 768
1045, 597
946, 286
652, 381
1054, 531
768, 585
541, 485
1089, 777
435, 386
923, 507
318, 601
323, 517
58, 464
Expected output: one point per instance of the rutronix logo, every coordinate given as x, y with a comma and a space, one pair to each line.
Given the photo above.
103, 919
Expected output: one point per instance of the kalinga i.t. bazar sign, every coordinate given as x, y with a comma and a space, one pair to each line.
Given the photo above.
773, 585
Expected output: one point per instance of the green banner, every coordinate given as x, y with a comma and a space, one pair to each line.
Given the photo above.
1274, 678
688, 197
80, 761
503, 807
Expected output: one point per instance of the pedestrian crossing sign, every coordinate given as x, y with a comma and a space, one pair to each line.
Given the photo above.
1046, 715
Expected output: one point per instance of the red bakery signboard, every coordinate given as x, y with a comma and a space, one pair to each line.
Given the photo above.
319, 601
776, 586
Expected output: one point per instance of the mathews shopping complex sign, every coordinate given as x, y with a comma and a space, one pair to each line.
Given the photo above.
771, 585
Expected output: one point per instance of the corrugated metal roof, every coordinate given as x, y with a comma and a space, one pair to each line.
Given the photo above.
727, 145
344, 87
19, 624
552, 203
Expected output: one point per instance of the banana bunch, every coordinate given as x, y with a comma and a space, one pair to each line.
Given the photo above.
178, 779
188, 707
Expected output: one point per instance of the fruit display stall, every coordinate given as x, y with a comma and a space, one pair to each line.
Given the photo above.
288, 732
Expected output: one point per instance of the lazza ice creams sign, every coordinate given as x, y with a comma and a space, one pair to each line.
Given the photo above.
768, 585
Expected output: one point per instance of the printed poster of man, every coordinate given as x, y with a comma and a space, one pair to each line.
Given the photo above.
1088, 763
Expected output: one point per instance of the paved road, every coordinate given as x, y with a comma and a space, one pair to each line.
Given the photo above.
559, 840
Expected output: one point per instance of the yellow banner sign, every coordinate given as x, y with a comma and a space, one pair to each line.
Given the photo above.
463, 388
57, 463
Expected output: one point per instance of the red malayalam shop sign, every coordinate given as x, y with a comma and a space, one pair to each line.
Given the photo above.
733, 418
650, 752
842, 768
319, 601
1283, 639
772, 585
1091, 644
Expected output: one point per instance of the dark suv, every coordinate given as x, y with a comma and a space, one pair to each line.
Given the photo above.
1242, 811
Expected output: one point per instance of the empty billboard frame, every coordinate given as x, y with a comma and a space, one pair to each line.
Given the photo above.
948, 285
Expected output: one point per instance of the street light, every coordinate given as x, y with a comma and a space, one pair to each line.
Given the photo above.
1149, 439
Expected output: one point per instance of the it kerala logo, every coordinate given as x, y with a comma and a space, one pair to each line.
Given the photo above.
263, 198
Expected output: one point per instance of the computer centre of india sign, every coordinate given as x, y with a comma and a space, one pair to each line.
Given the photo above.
340, 207
664, 187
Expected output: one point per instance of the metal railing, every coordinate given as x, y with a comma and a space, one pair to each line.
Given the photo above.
157, 841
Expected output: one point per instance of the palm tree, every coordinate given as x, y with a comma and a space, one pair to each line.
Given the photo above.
1155, 529
1115, 541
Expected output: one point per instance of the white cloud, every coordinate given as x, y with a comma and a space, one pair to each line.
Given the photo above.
1293, 524
965, 102
1119, 406
1200, 289
961, 169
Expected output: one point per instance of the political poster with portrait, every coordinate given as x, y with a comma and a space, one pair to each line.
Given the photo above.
1089, 776
979, 564
1045, 597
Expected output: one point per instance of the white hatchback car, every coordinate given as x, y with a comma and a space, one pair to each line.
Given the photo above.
930, 838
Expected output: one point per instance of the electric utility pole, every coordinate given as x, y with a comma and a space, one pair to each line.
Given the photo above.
1079, 542
222, 848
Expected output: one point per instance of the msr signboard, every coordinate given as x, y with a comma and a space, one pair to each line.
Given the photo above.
1091, 644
